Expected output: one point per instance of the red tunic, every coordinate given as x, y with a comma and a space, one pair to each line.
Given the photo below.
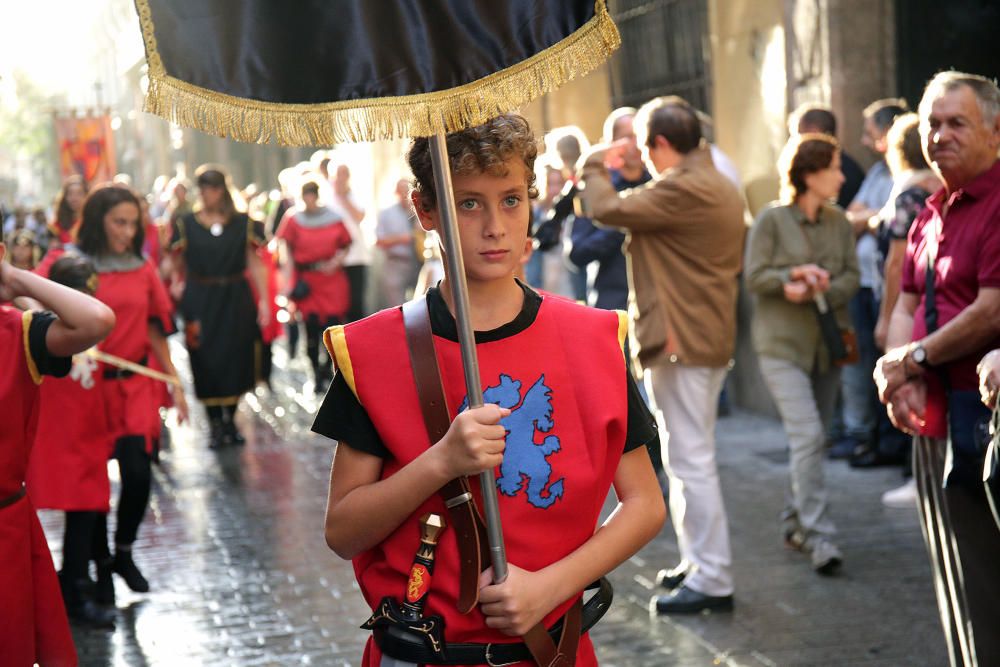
564, 378
34, 628
329, 293
273, 328
137, 297
68, 469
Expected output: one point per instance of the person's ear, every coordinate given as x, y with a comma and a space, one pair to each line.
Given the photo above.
427, 218
3, 250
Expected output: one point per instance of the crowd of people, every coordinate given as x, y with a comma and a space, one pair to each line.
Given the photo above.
869, 288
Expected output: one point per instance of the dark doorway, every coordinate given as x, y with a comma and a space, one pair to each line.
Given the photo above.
932, 36
665, 51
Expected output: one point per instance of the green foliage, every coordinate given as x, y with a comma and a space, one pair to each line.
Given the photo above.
26, 128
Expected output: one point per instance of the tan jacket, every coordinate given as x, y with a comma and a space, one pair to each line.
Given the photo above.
684, 250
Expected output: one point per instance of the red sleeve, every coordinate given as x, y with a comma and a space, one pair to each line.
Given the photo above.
287, 227
161, 309
344, 237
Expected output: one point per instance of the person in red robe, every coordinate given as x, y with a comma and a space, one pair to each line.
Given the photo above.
69, 204
317, 240
68, 468
111, 235
563, 422
33, 344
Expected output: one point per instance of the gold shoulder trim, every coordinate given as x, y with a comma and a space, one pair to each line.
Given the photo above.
336, 344
425, 114
622, 328
26, 319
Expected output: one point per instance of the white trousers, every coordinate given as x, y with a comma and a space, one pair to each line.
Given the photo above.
687, 401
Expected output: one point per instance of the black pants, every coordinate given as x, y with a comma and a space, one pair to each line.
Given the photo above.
84, 538
318, 357
357, 278
964, 547
137, 476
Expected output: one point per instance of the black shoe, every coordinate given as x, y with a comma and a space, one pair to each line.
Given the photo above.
126, 568
686, 600
104, 591
217, 435
871, 458
843, 448
671, 579
231, 435
81, 609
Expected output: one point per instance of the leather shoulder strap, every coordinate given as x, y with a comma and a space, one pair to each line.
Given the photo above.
470, 532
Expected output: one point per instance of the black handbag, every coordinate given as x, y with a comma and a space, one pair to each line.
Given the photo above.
841, 343
968, 438
300, 291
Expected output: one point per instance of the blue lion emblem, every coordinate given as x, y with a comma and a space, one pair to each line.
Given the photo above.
523, 459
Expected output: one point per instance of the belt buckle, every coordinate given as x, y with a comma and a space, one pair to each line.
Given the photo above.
489, 658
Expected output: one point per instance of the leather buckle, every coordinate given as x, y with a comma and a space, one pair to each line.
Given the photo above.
458, 500
489, 658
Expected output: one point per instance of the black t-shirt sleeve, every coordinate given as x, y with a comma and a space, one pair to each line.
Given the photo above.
47, 364
642, 429
342, 418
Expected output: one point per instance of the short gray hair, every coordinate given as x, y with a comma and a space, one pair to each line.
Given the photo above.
986, 91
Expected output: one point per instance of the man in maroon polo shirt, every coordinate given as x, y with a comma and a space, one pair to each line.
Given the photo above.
928, 377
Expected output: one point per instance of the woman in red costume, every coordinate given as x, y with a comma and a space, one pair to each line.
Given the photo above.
68, 469
34, 628
111, 234
69, 205
317, 241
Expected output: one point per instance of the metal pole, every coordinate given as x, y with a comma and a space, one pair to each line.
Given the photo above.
466, 337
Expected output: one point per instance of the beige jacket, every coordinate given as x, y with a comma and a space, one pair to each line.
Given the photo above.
684, 250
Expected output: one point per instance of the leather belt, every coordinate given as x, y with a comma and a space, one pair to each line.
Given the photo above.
311, 266
112, 373
397, 643
231, 279
13, 498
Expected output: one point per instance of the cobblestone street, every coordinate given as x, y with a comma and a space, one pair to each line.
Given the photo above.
233, 547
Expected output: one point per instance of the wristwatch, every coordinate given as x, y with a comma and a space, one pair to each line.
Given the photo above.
919, 355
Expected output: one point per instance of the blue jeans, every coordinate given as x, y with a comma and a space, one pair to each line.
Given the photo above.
861, 404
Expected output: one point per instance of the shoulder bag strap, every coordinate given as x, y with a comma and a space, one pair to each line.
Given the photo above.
470, 532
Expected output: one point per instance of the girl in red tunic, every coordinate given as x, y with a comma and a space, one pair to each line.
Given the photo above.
68, 469
69, 204
112, 236
317, 240
34, 628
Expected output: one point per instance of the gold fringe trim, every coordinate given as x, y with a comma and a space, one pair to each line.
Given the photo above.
26, 318
419, 115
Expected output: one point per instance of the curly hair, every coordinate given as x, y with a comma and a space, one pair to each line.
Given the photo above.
804, 154
92, 239
477, 150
